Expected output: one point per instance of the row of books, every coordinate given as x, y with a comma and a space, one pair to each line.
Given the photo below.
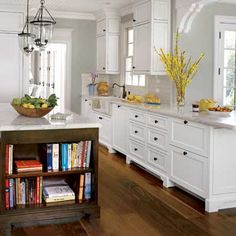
68, 155
55, 156
21, 192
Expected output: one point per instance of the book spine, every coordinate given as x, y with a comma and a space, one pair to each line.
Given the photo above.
55, 157
7, 159
10, 159
83, 154
11, 197
26, 191
64, 156
88, 154
18, 191
7, 204
49, 157
81, 188
69, 155
22, 190
79, 156
87, 188
37, 189
41, 190
73, 155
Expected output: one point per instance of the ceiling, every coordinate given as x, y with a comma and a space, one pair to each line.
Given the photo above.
80, 6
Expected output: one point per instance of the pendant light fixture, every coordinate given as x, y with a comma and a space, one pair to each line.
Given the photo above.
42, 26
26, 39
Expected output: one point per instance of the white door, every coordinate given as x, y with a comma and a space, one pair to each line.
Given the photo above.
101, 53
142, 48
11, 68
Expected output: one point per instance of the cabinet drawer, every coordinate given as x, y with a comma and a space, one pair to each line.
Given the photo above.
137, 150
157, 139
137, 116
137, 131
189, 170
190, 136
157, 121
157, 159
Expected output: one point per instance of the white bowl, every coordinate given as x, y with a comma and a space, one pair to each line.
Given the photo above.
219, 113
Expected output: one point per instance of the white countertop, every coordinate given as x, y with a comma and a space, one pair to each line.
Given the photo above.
10, 120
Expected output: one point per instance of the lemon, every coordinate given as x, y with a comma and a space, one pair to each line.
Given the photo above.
31, 106
25, 105
45, 105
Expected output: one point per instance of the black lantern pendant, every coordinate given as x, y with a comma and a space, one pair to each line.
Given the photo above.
42, 26
26, 39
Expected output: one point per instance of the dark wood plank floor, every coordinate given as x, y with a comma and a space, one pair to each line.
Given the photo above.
134, 202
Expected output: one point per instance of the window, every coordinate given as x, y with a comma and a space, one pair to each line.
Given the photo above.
225, 89
130, 77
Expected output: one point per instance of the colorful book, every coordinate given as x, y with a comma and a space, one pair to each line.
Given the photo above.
64, 156
69, 155
55, 157
88, 154
49, 157
22, 192
57, 191
73, 155
37, 190
7, 159
79, 154
10, 171
84, 146
7, 203
87, 186
11, 193
81, 188
28, 165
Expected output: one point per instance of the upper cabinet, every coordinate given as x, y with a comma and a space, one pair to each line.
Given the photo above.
151, 31
108, 33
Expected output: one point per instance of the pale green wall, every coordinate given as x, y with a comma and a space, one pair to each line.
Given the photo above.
83, 54
201, 39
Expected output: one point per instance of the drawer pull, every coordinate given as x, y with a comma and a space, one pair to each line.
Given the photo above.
185, 122
155, 139
100, 118
104, 68
185, 153
155, 159
85, 100
135, 131
118, 106
104, 30
136, 116
156, 121
136, 149
134, 20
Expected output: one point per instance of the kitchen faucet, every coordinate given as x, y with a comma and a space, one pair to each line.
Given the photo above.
121, 86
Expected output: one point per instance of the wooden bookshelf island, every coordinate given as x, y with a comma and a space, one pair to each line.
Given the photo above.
27, 135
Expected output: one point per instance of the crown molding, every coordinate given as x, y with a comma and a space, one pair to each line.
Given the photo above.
73, 15
128, 9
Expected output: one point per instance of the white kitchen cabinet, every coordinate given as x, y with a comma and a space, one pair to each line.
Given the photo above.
137, 151
120, 116
11, 58
151, 32
108, 33
189, 170
137, 131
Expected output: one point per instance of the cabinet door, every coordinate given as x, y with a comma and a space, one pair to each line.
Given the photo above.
105, 130
160, 40
161, 10
142, 48
101, 54
11, 68
113, 53
101, 27
189, 170
142, 13
119, 128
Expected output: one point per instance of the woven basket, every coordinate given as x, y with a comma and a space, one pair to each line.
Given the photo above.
36, 112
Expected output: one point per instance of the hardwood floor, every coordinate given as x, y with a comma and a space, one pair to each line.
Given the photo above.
134, 202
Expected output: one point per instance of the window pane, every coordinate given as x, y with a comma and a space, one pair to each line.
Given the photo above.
135, 80
230, 37
130, 50
129, 62
229, 78
141, 80
130, 36
128, 79
229, 58
228, 96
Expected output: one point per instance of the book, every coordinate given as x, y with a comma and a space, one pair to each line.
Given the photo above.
7, 203
73, 155
58, 190
7, 159
10, 168
28, 165
22, 192
49, 157
64, 156
58, 199
88, 154
79, 154
55, 157
69, 155
83, 152
81, 188
87, 186
11, 193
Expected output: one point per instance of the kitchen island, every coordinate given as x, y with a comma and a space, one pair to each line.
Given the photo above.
28, 137
194, 151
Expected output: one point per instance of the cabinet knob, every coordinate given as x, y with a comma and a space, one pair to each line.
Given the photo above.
156, 121
135, 131
118, 106
104, 68
85, 100
155, 138
155, 159
185, 153
100, 118
104, 30
136, 149
185, 122
136, 116
134, 67
134, 20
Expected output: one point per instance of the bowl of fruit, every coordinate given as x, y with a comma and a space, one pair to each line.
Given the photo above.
34, 107
220, 111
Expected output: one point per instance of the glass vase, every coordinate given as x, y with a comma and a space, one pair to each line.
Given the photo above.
180, 99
